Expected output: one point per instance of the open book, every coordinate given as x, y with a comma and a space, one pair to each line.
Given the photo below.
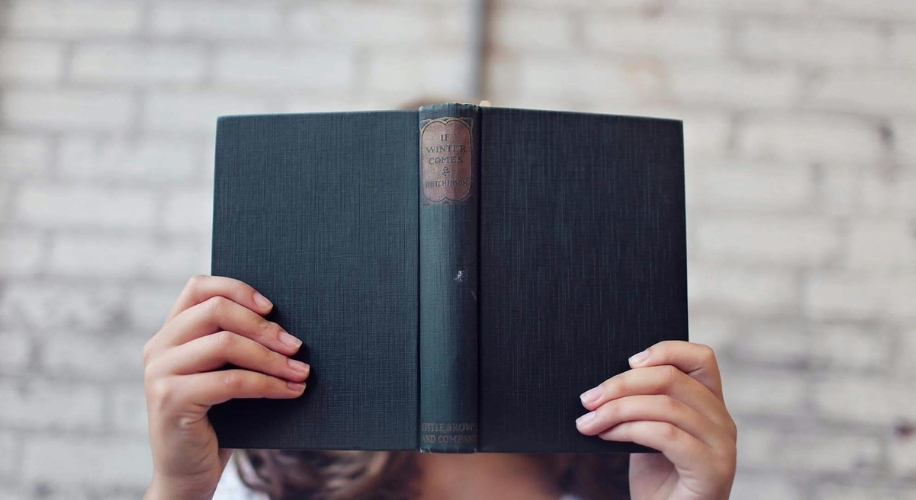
458, 274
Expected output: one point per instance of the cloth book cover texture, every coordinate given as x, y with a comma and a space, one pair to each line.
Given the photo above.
458, 274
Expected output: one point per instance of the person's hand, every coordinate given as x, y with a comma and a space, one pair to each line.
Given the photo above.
671, 400
214, 322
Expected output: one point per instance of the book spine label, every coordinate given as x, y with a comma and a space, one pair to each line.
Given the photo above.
449, 193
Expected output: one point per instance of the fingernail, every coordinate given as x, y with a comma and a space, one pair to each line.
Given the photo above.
298, 366
639, 358
289, 341
591, 395
296, 386
262, 301
584, 419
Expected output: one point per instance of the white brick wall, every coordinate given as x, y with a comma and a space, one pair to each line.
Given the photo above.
799, 125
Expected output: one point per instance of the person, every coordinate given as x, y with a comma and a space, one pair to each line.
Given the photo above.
670, 400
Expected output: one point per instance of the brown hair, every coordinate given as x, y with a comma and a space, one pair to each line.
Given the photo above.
374, 475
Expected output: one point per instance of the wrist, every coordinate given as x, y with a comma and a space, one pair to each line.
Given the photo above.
162, 488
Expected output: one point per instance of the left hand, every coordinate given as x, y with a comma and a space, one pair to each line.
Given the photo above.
671, 400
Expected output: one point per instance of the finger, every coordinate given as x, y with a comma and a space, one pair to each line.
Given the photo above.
677, 445
696, 360
659, 408
212, 388
219, 313
201, 288
214, 351
658, 380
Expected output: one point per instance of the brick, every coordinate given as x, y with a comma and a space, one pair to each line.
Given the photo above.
903, 455
865, 91
66, 109
902, 46
21, 254
129, 409
312, 69
867, 400
809, 138
839, 191
103, 462
754, 187
882, 245
875, 488
24, 155
818, 452
137, 64
209, 19
52, 308
15, 352
716, 331
892, 10
410, 74
843, 347
142, 159
31, 62
148, 306
9, 451
740, 290
125, 257
188, 111
74, 18
190, 211
734, 86
60, 206
884, 194
906, 148
768, 239
819, 43
781, 7
764, 393
532, 29
365, 24
38, 405
94, 357
766, 487
774, 345
705, 135
13, 494
666, 37
582, 78
808, 450
860, 296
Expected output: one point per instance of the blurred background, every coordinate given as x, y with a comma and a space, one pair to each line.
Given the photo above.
800, 128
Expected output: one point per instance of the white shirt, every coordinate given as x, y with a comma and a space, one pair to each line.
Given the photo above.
231, 487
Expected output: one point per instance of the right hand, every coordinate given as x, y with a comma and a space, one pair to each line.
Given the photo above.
215, 321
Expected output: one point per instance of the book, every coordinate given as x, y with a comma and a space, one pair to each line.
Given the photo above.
458, 275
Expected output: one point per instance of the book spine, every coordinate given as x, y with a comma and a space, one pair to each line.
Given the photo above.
449, 194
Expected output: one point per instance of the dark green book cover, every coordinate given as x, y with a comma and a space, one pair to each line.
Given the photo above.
458, 274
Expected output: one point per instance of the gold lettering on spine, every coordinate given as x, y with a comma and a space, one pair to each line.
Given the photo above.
446, 160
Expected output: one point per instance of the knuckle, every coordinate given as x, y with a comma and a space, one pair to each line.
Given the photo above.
670, 406
618, 384
668, 431
195, 282
708, 355
216, 305
272, 358
160, 393
224, 340
233, 380
147, 353
670, 375
611, 412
